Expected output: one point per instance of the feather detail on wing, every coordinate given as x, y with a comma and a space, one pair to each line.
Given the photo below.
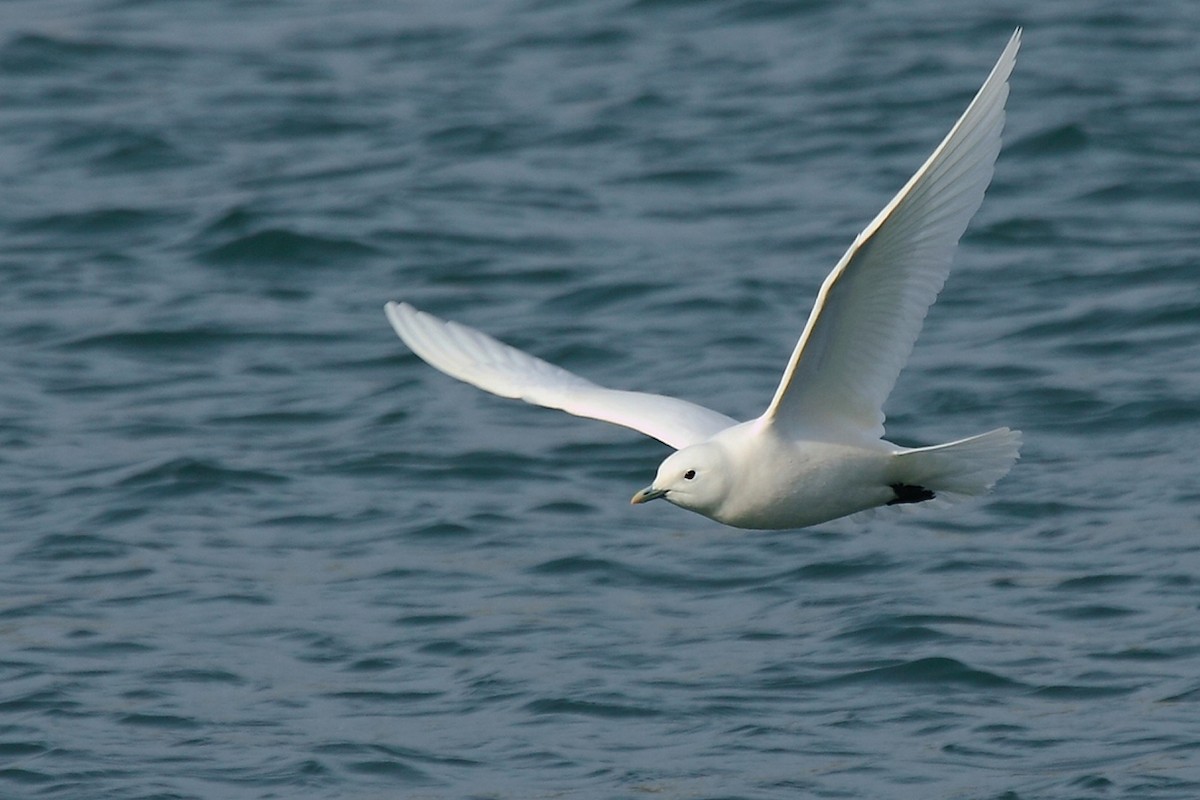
871, 307
478, 359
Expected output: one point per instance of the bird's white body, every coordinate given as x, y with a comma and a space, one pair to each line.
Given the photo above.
751, 475
778, 482
817, 453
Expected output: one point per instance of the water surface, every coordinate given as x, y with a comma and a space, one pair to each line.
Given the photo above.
251, 547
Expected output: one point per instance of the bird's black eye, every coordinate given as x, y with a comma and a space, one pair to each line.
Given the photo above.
691, 473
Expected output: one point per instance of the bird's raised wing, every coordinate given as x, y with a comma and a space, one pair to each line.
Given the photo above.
481, 361
870, 308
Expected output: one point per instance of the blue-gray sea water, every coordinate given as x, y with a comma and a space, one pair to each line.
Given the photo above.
252, 547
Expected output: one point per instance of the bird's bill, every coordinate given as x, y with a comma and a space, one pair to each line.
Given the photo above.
647, 494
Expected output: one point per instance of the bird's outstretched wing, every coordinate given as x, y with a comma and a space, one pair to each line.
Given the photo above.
481, 361
871, 307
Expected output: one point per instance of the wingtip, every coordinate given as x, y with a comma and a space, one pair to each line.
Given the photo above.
1009, 56
396, 312
1014, 43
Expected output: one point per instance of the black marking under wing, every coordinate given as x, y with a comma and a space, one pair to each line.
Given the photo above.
909, 493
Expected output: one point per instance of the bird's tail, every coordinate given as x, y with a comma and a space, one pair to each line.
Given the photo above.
959, 469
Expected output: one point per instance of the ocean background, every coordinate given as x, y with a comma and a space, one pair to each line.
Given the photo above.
251, 547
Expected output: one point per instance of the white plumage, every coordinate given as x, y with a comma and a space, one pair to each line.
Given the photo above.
817, 452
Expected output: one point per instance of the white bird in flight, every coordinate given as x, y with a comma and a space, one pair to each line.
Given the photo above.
817, 452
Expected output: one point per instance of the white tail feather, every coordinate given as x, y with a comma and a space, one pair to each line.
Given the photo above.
964, 468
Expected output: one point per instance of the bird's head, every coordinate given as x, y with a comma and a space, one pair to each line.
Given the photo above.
696, 478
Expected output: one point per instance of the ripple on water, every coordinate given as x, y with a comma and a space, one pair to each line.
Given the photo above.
283, 247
